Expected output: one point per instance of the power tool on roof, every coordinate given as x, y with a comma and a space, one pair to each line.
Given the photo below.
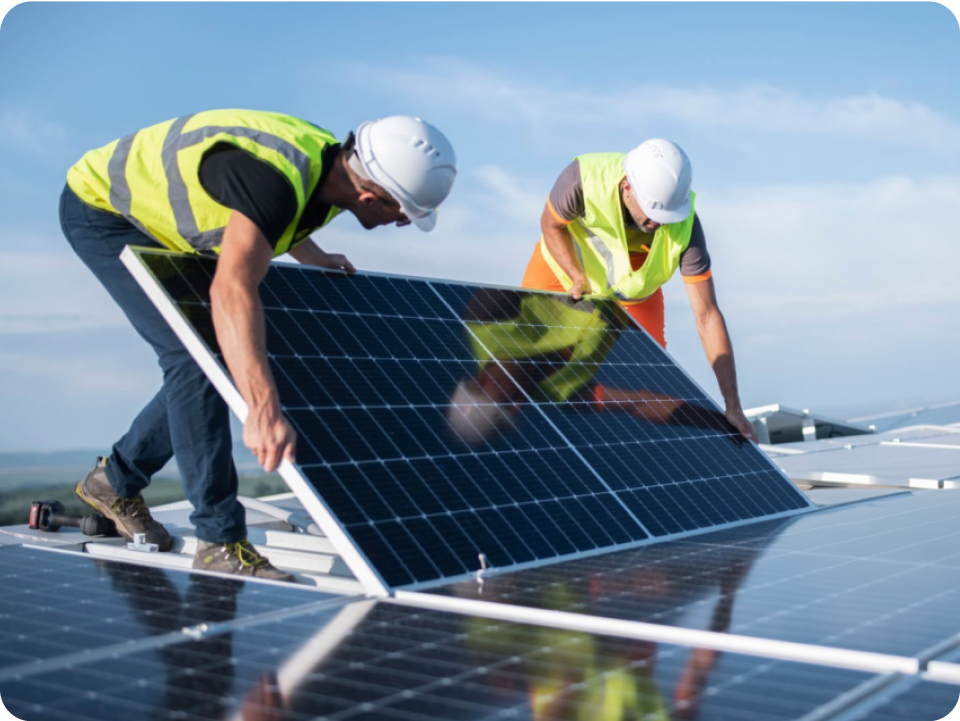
51, 516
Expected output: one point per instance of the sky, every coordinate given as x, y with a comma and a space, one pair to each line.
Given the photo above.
824, 137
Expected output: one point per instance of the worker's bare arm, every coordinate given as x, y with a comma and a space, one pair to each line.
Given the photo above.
560, 244
241, 332
716, 343
309, 253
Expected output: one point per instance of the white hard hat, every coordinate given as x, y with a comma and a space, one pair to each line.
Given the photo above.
660, 175
411, 160
473, 416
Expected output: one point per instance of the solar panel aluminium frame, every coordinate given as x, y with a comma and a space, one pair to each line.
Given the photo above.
356, 561
314, 504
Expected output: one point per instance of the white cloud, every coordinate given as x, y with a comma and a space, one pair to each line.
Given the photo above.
799, 253
502, 96
42, 292
519, 200
94, 376
26, 132
467, 245
835, 294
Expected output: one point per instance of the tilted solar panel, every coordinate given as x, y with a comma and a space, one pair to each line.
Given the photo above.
440, 422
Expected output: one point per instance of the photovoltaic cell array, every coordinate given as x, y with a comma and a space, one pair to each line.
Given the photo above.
876, 578
440, 422
118, 652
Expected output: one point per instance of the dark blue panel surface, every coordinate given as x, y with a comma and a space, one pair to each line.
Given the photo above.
53, 604
442, 422
381, 661
881, 577
910, 700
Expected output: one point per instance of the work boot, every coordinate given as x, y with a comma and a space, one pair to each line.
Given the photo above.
240, 559
130, 515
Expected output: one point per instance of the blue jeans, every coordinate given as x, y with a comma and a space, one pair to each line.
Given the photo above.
187, 418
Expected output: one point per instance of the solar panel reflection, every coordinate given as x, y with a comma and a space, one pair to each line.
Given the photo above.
440, 422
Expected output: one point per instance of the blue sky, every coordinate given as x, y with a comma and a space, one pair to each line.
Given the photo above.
825, 140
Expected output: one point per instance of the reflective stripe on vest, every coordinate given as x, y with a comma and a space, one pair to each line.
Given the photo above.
600, 237
182, 215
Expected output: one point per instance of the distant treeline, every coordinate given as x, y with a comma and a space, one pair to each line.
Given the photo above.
16, 495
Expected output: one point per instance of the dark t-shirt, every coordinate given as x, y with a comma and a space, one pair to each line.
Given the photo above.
236, 179
566, 200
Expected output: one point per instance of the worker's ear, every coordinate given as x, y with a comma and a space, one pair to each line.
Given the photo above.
366, 197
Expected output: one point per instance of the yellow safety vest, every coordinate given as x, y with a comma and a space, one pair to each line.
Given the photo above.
152, 176
545, 325
583, 680
601, 239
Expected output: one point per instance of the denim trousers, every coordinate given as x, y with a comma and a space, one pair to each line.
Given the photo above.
187, 418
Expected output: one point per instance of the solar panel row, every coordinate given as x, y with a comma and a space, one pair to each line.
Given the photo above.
361, 660
880, 578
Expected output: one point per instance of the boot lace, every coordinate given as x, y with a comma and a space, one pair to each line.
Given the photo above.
134, 507
244, 552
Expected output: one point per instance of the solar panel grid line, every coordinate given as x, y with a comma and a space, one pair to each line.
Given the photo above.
352, 556
20, 671
398, 530
748, 645
528, 397
354, 435
870, 706
850, 590
394, 660
904, 607
54, 580
893, 518
188, 336
689, 378
854, 697
485, 525
798, 606
700, 394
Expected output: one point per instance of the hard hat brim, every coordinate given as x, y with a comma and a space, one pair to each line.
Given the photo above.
426, 222
665, 217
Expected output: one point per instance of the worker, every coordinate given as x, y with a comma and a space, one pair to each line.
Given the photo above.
619, 225
246, 186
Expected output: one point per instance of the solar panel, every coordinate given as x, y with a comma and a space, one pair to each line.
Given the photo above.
440, 423
375, 660
912, 699
881, 577
58, 604
922, 463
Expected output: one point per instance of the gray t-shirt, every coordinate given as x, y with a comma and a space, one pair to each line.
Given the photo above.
566, 201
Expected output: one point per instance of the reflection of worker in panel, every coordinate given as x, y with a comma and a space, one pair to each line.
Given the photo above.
245, 186
620, 225
198, 674
584, 677
552, 348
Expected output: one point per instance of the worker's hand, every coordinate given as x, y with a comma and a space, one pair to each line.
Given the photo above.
579, 283
336, 261
739, 421
270, 437
264, 702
